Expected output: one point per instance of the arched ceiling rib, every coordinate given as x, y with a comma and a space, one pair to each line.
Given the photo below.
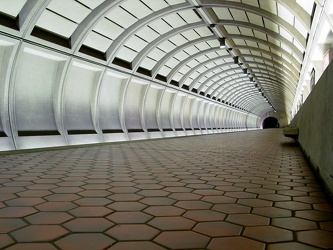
177, 43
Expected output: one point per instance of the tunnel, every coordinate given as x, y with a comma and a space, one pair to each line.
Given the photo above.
270, 122
137, 124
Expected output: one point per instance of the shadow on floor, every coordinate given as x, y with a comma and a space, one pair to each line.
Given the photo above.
292, 144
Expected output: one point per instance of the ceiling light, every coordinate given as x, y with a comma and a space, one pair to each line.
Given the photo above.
222, 42
236, 59
245, 72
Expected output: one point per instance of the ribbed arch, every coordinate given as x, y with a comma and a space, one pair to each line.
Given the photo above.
273, 55
261, 12
229, 80
267, 72
178, 49
203, 64
237, 94
149, 69
297, 54
111, 52
90, 21
253, 65
264, 30
143, 53
249, 101
282, 63
187, 60
283, 80
209, 79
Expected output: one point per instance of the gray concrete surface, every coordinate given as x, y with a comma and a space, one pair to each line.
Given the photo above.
315, 123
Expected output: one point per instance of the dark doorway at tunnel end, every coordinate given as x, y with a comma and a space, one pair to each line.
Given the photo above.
270, 122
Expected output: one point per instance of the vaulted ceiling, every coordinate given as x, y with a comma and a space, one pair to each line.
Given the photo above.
178, 42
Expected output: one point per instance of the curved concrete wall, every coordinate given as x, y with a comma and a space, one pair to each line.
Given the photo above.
315, 123
49, 98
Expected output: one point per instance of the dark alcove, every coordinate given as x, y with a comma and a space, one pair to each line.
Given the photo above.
270, 122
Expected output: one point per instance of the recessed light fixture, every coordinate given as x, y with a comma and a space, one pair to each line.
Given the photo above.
222, 42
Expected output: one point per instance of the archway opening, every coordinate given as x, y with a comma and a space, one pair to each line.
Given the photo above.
271, 122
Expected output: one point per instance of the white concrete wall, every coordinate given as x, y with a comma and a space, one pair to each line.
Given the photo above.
49, 99
315, 123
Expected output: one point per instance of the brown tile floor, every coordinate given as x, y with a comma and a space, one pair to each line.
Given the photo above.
249, 190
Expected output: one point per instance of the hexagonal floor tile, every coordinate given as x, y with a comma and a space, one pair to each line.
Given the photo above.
8, 225
274, 197
292, 193
49, 218
294, 223
310, 199
318, 238
292, 205
62, 197
93, 201
123, 190
206, 192
268, 234
231, 208
193, 205
127, 206
259, 191
149, 186
185, 196
90, 211
248, 219
5, 197
34, 193
217, 228
85, 241
164, 211
182, 240
219, 199
326, 207
204, 215
137, 245
171, 223
255, 202
24, 202
94, 193
88, 225
314, 215
272, 212
200, 186
38, 233
178, 189
16, 212
290, 246
5, 241
126, 232
125, 197
158, 201
56, 206
11, 190
153, 193
238, 195
67, 190
32, 246
327, 225
238, 242
129, 217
